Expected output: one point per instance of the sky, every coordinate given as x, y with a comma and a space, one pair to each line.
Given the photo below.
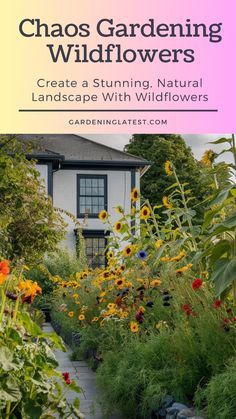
197, 142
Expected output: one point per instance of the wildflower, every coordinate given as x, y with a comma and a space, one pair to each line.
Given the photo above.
71, 314
217, 304
120, 282
135, 195
30, 289
197, 284
155, 283
168, 168
134, 327
11, 296
117, 227
128, 250
158, 243
165, 259
184, 268
141, 309
150, 304
180, 256
187, 309
208, 158
145, 213
66, 376
4, 271
110, 254
166, 202
139, 317
111, 306
103, 215
142, 255
95, 319
119, 209
81, 317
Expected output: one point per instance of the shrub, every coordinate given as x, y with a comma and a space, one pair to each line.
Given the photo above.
219, 396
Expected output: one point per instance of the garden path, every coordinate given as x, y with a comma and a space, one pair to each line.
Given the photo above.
85, 378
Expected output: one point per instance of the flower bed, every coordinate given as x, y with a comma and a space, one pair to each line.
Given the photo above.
30, 387
151, 320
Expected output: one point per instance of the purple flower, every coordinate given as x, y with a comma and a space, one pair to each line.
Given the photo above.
142, 255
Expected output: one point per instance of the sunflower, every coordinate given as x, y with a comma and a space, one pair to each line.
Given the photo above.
71, 314
117, 227
110, 254
145, 213
166, 202
120, 282
208, 158
128, 250
81, 317
168, 168
135, 195
155, 283
103, 215
134, 327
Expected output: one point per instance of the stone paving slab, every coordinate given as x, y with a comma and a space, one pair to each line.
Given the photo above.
85, 378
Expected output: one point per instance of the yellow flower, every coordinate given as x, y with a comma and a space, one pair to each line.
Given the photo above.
168, 168
165, 259
110, 254
184, 268
134, 327
95, 319
75, 296
208, 158
158, 243
128, 250
133, 210
71, 314
155, 283
119, 209
103, 215
81, 317
111, 306
120, 282
180, 256
166, 202
145, 213
141, 309
135, 195
30, 289
117, 227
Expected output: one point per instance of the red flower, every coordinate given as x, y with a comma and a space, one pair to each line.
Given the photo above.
217, 304
4, 267
197, 284
187, 309
66, 376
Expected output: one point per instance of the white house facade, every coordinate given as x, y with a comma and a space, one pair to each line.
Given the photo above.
83, 178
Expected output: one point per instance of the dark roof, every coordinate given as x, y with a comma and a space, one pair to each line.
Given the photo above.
73, 148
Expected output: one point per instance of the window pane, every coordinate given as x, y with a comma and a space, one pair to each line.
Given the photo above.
94, 182
82, 200
82, 191
94, 191
82, 182
91, 198
101, 183
88, 182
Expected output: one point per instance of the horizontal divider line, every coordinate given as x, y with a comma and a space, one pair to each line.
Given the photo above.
118, 110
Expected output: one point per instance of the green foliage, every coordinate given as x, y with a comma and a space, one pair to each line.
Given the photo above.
29, 225
160, 148
219, 396
64, 264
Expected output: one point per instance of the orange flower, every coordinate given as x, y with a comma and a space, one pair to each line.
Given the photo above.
4, 271
30, 290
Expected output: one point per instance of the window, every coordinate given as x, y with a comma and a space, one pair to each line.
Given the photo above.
95, 244
92, 195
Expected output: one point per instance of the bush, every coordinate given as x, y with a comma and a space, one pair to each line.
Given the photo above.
219, 396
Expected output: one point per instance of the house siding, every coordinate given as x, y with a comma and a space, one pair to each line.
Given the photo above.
65, 196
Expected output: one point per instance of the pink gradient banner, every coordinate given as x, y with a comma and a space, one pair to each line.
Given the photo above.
188, 88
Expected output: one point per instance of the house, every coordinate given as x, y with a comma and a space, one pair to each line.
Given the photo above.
83, 178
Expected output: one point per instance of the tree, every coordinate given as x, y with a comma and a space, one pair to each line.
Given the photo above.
29, 225
158, 149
